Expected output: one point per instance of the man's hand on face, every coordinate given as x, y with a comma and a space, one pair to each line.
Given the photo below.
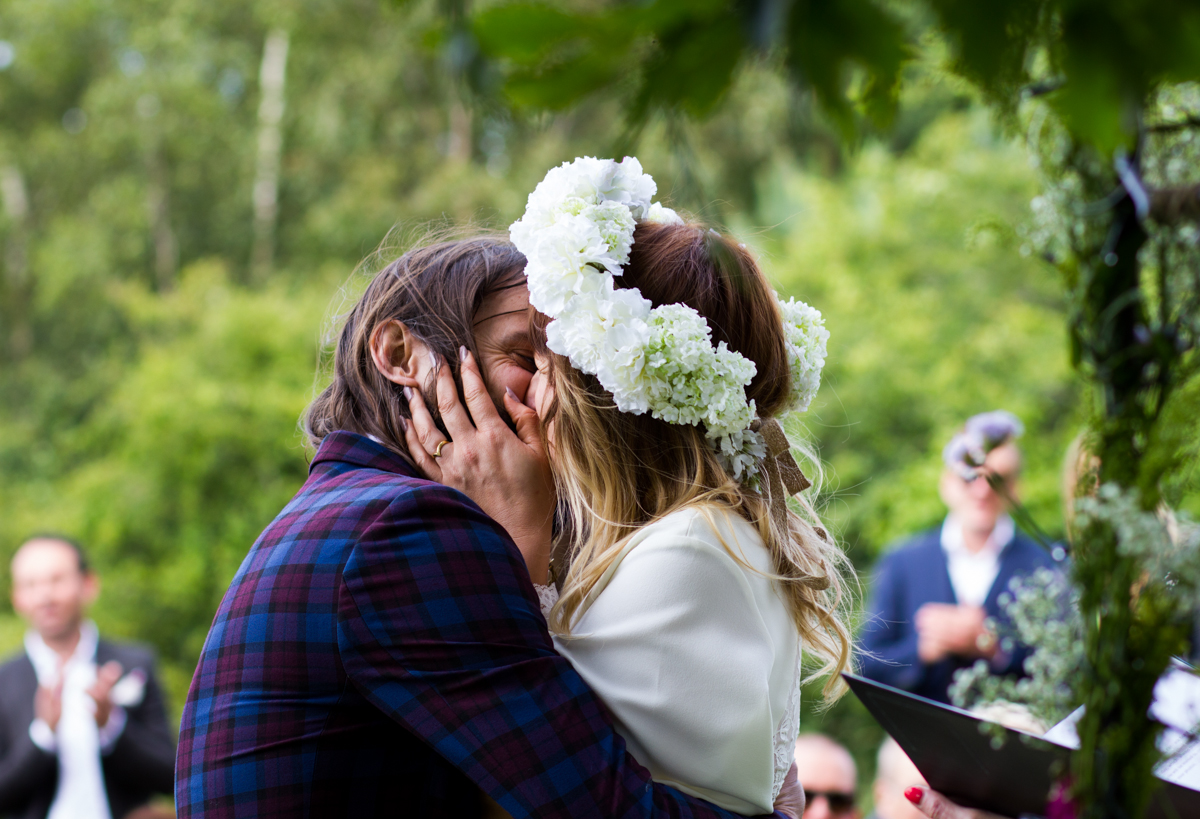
101, 690
47, 705
944, 629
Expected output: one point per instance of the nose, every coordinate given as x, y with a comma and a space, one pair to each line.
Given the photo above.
981, 488
818, 808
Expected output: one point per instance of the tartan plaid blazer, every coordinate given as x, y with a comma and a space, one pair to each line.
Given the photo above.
381, 652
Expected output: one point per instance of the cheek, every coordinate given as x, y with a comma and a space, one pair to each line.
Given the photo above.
541, 394
510, 376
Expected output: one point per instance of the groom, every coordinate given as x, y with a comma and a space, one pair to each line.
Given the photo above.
381, 651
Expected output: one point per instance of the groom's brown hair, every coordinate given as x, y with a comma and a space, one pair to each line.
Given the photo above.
435, 291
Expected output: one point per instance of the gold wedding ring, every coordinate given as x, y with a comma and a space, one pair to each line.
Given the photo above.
437, 453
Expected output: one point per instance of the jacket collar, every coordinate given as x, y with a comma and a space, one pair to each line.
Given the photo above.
359, 450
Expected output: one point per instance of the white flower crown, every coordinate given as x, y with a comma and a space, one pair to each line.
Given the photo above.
576, 235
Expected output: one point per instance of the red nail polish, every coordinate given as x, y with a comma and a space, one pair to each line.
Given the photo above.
914, 795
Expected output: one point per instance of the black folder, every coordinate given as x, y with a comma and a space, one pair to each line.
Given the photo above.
1011, 777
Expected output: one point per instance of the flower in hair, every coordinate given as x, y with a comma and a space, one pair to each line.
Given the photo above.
996, 427
967, 451
576, 234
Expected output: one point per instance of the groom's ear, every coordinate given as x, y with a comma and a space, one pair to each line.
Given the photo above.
397, 353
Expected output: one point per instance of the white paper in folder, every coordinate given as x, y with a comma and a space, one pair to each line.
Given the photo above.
1177, 706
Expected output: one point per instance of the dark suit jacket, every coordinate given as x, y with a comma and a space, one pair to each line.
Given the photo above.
141, 764
912, 575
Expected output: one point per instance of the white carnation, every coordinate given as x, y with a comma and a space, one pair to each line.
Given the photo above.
806, 337
663, 216
605, 334
565, 258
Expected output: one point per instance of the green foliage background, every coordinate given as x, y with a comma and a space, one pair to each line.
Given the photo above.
155, 419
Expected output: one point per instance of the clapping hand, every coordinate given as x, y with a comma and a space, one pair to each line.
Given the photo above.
47, 704
101, 690
944, 629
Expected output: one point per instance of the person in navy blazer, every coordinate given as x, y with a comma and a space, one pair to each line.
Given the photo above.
931, 597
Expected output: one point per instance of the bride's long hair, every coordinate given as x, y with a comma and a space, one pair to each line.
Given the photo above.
616, 472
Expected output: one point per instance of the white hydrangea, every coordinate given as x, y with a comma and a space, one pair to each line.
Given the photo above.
806, 336
740, 453
687, 380
576, 233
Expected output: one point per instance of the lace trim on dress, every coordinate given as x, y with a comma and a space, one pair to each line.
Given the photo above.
547, 597
785, 736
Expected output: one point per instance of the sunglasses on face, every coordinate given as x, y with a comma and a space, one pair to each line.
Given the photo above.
839, 802
998, 480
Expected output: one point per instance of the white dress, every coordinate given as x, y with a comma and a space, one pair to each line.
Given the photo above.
697, 657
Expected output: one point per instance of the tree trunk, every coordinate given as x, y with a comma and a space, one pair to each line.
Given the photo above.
270, 144
458, 137
16, 260
1170, 206
158, 206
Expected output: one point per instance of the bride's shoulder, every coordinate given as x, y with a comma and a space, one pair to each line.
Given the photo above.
707, 528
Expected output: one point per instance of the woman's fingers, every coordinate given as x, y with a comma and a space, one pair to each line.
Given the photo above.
935, 806
525, 419
416, 450
479, 400
422, 425
454, 414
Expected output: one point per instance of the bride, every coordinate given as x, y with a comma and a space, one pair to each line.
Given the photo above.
665, 363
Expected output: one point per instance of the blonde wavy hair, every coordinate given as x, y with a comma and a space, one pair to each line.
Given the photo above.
616, 472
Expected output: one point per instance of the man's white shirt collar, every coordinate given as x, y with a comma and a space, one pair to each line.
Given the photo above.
973, 573
45, 659
77, 741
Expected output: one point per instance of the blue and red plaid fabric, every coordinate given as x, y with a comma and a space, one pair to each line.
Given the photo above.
381, 652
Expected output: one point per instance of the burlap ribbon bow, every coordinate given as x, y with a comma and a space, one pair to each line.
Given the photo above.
785, 479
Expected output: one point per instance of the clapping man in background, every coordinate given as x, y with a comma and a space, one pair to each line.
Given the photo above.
83, 729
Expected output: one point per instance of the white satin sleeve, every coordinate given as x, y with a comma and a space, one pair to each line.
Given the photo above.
677, 646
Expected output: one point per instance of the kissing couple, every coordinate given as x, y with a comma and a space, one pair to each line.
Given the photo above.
606, 388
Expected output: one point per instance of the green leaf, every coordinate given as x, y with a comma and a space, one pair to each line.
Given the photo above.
562, 85
827, 38
692, 68
526, 32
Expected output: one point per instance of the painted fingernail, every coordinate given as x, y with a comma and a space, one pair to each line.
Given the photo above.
408, 393
508, 391
462, 353
403, 423
433, 361
914, 795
